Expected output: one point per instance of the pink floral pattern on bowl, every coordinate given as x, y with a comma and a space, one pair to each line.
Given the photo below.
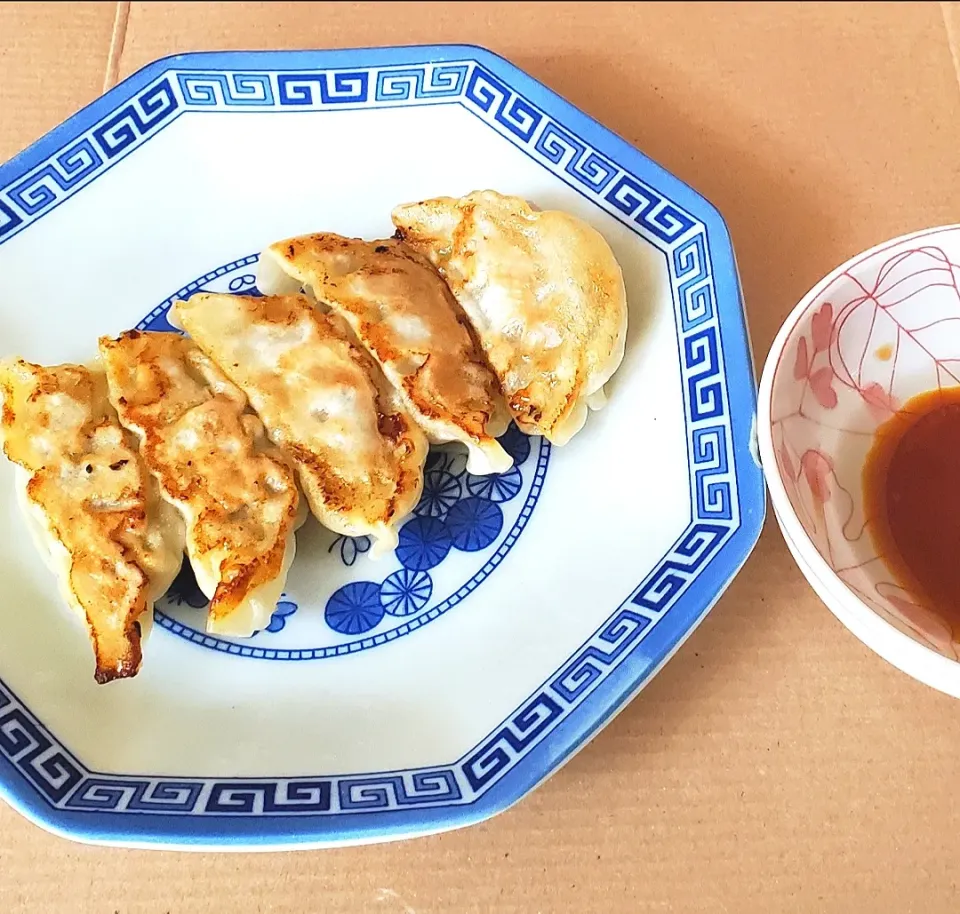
875, 333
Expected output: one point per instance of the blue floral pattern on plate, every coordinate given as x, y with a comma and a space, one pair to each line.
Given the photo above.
459, 514
350, 547
441, 491
405, 592
474, 523
500, 487
456, 511
424, 543
355, 608
278, 621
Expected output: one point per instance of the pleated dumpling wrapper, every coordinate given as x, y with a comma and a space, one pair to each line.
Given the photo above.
325, 403
405, 316
91, 507
544, 293
237, 495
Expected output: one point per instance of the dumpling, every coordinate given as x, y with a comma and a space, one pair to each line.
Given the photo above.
92, 508
237, 495
404, 315
324, 402
545, 295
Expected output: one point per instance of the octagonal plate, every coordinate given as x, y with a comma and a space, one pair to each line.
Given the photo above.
435, 687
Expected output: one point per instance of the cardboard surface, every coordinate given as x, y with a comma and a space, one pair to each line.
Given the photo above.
775, 765
52, 62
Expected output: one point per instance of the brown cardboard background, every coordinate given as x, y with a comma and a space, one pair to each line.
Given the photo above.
51, 63
775, 765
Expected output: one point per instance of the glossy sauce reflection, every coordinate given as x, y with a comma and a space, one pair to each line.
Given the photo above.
911, 488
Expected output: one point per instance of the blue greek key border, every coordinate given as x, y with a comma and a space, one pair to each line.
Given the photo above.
595, 680
87, 157
465, 82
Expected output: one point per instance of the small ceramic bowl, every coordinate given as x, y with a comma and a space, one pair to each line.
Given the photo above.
880, 329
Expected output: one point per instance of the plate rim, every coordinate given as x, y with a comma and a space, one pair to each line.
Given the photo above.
737, 383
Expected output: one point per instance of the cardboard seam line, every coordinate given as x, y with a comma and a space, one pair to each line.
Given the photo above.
117, 39
950, 11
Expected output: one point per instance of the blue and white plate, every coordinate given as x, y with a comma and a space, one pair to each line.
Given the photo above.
439, 685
